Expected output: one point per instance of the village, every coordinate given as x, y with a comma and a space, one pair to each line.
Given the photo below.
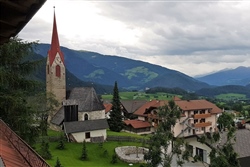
82, 116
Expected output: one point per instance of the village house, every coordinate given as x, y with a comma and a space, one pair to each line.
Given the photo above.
128, 107
197, 118
82, 114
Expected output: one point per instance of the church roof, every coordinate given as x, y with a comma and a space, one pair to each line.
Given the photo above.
55, 46
86, 99
58, 118
85, 126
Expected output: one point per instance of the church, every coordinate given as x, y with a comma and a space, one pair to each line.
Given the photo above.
82, 115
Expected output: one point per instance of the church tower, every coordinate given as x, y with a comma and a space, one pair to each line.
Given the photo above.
55, 68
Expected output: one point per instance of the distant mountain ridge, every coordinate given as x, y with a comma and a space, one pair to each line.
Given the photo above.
237, 76
130, 74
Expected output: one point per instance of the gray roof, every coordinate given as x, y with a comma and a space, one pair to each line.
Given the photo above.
242, 144
85, 126
132, 105
86, 98
58, 118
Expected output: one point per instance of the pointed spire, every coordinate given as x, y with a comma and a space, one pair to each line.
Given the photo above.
55, 46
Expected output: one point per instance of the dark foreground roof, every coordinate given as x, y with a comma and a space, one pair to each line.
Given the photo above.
15, 15
58, 118
85, 126
86, 98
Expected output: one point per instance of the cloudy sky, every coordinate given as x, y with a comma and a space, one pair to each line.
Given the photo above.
193, 37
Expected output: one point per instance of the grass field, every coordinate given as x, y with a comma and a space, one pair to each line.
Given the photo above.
70, 156
231, 96
140, 96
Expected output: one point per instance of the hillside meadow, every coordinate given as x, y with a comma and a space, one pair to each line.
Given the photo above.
231, 96
140, 96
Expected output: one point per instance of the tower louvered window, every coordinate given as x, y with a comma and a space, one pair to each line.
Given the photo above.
58, 71
48, 69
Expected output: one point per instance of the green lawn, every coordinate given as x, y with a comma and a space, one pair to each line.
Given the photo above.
70, 156
111, 133
96, 157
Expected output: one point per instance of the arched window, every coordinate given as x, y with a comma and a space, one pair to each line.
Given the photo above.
58, 71
86, 117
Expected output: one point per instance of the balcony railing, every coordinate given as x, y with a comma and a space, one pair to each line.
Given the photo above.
197, 116
202, 124
31, 158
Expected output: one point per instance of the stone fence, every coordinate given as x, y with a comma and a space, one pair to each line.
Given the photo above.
131, 154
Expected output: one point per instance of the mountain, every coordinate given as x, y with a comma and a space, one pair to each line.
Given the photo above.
72, 81
130, 74
213, 91
237, 76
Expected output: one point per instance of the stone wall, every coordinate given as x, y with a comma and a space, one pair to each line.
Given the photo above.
129, 154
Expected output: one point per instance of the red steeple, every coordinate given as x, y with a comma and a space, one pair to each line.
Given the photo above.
55, 47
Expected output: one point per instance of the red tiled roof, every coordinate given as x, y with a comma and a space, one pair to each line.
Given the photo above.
176, 98
183, 104
14, 152
150, 104
108, 107
147, 105
9, 155
55, 46
136, 124
198, 105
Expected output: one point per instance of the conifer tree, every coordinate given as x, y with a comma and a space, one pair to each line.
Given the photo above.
84, 155
114, 158
58, 163
115, 121
16, 85
61, 145
44, 150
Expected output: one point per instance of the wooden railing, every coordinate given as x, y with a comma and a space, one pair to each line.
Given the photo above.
197, 116
203, 124
27, 153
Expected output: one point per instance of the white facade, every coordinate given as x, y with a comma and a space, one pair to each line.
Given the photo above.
92, 115
199, 149
81, 136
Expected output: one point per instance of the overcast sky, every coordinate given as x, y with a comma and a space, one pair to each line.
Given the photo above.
193, 37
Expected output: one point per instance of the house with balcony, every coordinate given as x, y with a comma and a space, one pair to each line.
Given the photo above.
198, 116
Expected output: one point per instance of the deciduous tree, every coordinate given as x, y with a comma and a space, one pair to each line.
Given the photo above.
163, 145
221, 143
43, 104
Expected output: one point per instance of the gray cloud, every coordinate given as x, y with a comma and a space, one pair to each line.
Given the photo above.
192, 37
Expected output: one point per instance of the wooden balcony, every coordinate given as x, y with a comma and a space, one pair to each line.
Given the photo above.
198, 116
203, 124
